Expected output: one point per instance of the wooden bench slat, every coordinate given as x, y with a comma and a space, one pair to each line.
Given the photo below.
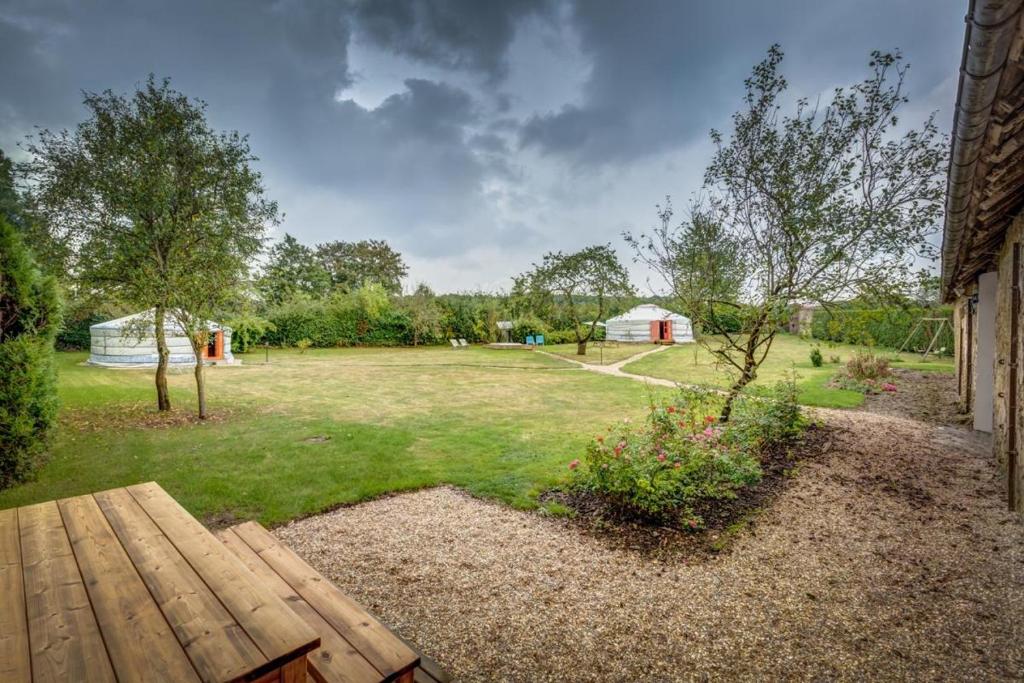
380, 646
277, 631
64, 638
335, 659
141, 644
15, 663
219, 648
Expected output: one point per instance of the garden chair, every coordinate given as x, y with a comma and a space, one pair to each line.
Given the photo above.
540, 340
530, 341
454, 343
463, 342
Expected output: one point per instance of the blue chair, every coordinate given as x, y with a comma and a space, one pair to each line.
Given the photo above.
529, 340
540, 340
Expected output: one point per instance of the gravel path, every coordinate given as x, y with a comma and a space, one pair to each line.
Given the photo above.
891, 558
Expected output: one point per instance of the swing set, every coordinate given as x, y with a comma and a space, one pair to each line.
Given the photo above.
932, 329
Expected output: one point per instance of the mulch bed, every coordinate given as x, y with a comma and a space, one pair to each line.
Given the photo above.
926, 396
723, 519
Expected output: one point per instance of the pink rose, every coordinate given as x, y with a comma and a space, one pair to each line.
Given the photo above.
574, 464
661, 457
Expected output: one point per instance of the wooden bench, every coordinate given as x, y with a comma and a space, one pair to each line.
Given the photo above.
354, 646
125, 585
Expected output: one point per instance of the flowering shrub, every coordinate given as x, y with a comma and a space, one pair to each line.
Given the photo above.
681, 455
865, 373
866, 365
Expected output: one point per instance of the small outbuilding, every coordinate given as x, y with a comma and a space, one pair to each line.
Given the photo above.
649, 323
130, 342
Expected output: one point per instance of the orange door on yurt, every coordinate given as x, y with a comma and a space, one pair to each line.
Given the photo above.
666, 330
655, 331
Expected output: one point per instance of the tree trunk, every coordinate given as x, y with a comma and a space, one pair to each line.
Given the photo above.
749, 371
163, 397
581, 348
200, 385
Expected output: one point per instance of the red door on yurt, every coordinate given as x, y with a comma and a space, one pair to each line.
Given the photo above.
661, 330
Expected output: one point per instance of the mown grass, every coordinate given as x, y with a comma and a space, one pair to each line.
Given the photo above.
327, 427
694, 364
600, 353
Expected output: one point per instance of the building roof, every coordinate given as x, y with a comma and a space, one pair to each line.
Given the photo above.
648, 312
144, 319
985, 186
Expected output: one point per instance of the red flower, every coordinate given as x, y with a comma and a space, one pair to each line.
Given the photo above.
670, 409
661, 457
574, 464
709, 419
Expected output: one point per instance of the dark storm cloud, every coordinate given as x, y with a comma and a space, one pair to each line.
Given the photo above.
457, 34
668, 73
479, 133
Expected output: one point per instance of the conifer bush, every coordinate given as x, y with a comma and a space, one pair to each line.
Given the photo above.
29, 320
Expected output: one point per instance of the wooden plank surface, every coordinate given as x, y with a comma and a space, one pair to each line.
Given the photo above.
15, 664
383, 649
278, 632
218, 647
141, 644
335, 659
64, 638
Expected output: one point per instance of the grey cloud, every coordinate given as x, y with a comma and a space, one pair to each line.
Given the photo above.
665, 72
456, 34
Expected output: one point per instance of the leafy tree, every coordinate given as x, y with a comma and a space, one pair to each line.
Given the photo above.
350, 264
165, 213
822, 204
293, 268
29, 319
595, 272
424, 314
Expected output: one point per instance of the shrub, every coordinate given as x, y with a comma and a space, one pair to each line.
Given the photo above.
529, 325
770, 421
867, 365
303, 344
835, 360
865, 372
247, 329
816, 359
681, 456
28, 327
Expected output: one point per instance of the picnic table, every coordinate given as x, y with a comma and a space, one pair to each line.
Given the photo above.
125, 585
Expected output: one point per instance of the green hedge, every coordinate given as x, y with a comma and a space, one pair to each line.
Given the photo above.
28, 387
335, 323
887, 327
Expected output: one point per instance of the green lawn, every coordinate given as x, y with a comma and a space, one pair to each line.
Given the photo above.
600, 353
693, 364
326, 427
332, 426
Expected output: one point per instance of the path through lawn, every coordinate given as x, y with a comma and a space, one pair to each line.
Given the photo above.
890, 557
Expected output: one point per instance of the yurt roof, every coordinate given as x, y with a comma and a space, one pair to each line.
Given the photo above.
647, 312
145, 318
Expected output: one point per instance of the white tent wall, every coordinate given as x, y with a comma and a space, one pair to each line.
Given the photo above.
635, 325
131, 342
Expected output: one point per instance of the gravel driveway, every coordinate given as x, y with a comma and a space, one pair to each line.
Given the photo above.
892, 558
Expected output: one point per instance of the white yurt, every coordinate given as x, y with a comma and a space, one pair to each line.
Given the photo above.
649, 323
130, 342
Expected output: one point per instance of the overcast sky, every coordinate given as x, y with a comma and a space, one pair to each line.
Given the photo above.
474, 135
